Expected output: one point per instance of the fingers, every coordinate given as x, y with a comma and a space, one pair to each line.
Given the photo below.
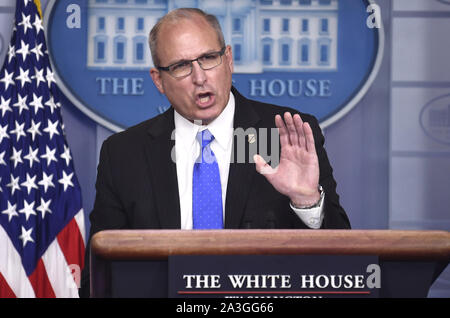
282, 130
299, 128
309, 137
262, 166
294, 132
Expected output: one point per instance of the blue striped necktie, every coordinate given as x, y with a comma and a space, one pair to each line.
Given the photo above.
206, 188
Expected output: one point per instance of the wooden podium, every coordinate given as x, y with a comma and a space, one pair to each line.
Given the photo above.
134, 263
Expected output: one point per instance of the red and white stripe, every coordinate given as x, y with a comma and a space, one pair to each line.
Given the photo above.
57, 273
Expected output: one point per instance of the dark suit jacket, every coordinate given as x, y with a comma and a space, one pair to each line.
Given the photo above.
137, 181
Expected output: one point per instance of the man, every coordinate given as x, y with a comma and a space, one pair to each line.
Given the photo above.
149, 176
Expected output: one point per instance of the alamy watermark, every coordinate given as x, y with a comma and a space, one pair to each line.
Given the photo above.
246, 144
73, 20
374, 19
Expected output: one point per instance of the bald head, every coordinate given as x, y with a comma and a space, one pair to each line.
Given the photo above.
176, 16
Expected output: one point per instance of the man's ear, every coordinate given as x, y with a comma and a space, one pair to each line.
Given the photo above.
229, 56
156, 77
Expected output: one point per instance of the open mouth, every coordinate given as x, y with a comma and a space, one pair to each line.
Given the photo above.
205, 99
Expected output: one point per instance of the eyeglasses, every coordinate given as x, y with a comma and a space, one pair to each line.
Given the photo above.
184, 68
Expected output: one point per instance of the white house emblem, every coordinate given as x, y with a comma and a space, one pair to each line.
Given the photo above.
318, 56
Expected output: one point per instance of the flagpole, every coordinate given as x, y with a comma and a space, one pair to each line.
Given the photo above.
38, 5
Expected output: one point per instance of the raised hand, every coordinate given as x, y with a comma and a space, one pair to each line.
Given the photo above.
297, 175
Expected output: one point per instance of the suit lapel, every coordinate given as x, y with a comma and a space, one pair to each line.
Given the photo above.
240, 174
163, 171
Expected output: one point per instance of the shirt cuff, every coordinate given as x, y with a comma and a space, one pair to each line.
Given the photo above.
311, 217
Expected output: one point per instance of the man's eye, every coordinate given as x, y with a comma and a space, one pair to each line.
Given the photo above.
180, 65
209, 57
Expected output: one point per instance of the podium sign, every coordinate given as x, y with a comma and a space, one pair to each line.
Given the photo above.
147, 263
274, 276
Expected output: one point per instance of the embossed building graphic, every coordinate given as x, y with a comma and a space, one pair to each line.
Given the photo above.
265, 35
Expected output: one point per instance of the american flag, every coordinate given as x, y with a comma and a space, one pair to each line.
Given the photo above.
41, 218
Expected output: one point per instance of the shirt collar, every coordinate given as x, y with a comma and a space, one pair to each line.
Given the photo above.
221, 127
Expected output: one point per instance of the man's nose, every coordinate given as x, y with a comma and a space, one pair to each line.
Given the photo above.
198, 74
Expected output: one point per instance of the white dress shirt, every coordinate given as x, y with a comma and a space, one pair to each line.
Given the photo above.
187, 150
